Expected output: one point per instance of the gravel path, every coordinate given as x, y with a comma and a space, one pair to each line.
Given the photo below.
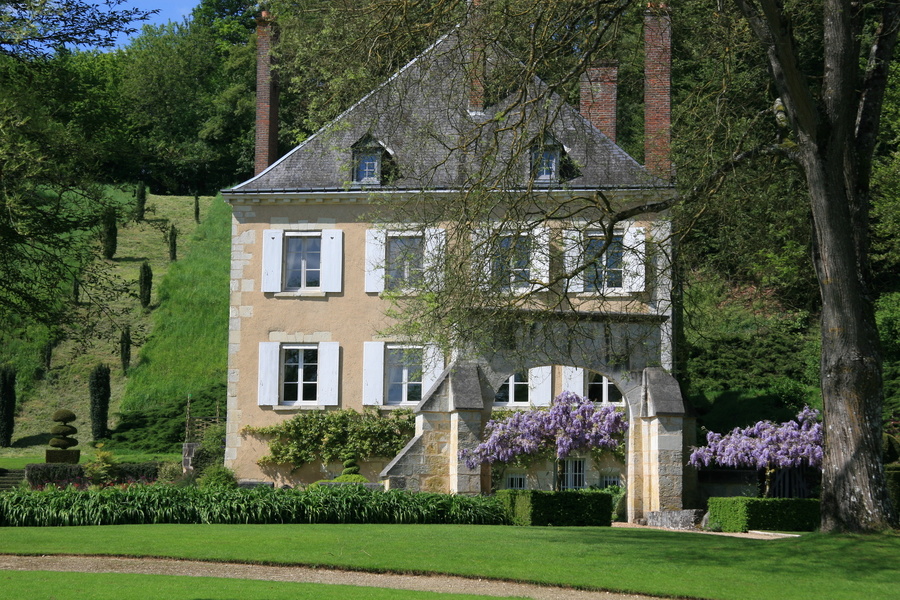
443, 584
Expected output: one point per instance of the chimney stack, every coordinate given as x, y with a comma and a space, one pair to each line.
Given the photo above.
657, 90
266, 96
599, 96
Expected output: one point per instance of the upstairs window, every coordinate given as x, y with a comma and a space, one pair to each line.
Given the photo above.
550, 163
405, 257
533, 387
303, 262
367, 165
604, 269
372, 163
514, 390
511, 263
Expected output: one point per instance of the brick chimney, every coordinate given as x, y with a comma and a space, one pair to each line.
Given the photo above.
657, 90
598, 97
477, 58
266, 96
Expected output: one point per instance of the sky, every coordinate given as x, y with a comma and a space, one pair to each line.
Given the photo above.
169, 10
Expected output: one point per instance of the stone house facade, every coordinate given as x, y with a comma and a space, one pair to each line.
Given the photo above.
310, 269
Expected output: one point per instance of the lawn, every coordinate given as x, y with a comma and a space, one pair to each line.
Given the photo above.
17, 458
638, 561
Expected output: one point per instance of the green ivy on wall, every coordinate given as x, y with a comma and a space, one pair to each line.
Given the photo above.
336, 435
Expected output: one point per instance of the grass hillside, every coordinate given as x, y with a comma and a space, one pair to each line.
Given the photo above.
179, 342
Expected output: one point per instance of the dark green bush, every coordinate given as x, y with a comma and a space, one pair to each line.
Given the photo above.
60, 474
141, 504
98, 386
892, 475
217, 476
7, 405
780, 514
134, 472
561, 509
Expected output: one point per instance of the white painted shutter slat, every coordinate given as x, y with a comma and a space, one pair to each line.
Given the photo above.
332, 260
432, 366
572, 259
329, 373
373, 373
376, 243
635, 258
573, 380
272, 259
540, 255
540, 386
269, 373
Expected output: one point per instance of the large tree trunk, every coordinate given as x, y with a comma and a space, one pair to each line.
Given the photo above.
833, 131
854, 496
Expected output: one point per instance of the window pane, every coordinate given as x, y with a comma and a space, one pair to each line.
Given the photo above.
413, 392
309, 392
404, 261
290, 392
303, 258
367, 164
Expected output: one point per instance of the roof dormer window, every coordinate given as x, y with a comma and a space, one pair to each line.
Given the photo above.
550, 163
372, 163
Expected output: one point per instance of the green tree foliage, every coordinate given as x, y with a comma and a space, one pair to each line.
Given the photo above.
125, 349
172, 239
188, 97
98, 385
140, 201
7, 405
32, 28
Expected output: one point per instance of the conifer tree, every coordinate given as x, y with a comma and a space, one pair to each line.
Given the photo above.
109, 233
100, 392
7, 405
140, 201
173, 243
125, 349
146, 284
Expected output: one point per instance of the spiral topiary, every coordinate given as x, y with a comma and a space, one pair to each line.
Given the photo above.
62, 431
350, 467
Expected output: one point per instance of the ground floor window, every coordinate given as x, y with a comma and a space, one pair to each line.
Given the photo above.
601, 389
572, 474
514, 390
300, 374
515, 481
609, 481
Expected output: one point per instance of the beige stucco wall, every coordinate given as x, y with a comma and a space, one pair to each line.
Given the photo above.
350, 318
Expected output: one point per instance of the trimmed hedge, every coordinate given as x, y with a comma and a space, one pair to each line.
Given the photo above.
144, 504
562, 509
740, 513
61, 474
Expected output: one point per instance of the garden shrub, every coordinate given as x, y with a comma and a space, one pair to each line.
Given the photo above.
143, 472
562, 509
143, 504
740, 513
217, 476
892, 475
60, 474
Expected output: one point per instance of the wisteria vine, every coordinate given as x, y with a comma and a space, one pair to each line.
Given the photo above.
766, 445
573, 423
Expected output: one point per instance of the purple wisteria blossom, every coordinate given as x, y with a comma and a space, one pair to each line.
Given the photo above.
571, 424
766, 445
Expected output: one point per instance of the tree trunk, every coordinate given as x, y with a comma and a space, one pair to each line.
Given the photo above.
854, 496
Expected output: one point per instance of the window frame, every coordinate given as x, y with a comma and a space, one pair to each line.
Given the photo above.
375, 374
376, 152
576, 379
271, 375
570, 476
539, 155
488, 257
433, 239
330, 261
634, 269
304, 237
615, 250
539, 382
406, 379
302, 349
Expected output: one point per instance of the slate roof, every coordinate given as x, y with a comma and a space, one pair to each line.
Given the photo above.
421, 116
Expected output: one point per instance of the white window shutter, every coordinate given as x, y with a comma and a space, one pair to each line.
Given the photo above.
635, 258
432, 262
432, 366
481, 257
332, 259
269, 373
540, 386
329, 373
573, 380
376, 243
540, 255
373, 373
573, 259
272, 260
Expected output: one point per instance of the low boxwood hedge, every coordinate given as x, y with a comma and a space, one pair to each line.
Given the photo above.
568, 508
61, 474
780, 514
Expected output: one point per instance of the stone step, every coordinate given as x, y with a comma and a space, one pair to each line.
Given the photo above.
11, 478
